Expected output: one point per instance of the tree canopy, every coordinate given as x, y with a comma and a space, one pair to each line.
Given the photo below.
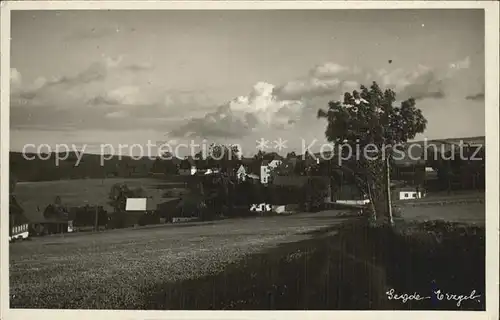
120, 192
371, 125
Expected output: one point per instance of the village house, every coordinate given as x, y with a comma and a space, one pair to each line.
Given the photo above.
407, 193
18, 223
50, 220
241, 173
265, 169
140, 211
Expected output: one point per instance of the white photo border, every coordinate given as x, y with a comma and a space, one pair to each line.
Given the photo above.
492, 162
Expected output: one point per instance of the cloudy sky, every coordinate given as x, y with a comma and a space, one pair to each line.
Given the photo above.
126, 77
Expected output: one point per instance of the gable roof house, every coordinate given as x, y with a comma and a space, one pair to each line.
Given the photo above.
15, 210
265, 169
241, 173
18, 223
139, 211
54, 218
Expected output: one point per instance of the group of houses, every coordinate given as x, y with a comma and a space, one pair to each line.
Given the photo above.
29, 220
412, 178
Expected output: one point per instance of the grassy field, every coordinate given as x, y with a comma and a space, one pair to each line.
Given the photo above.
324, 260
346, 267
119, 268
84, 191
468, 212
285, 262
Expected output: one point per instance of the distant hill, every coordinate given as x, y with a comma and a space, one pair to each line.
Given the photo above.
89, 167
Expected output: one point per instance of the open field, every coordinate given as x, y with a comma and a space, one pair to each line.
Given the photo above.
306, 261
84, 191
345, 267
324, 260
180, 266
445, 197
468, 212
120, 266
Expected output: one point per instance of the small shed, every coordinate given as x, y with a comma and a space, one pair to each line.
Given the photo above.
136, 204
408, 193
139, 211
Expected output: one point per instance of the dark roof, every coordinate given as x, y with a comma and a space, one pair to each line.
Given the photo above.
246, 161
16, 213
152, 203
14, 206
55, 213
168, 200
38, 216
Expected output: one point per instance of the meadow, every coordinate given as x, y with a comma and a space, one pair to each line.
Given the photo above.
80, 192
324, 260
471, 213
121, 268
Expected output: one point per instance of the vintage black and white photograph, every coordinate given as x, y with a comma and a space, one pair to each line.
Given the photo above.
313, 159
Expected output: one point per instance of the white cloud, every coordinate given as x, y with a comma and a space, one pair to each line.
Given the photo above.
332, 80
117, 114
328, 70
127, 95
15, 79
267, 106
118, 101
258, 110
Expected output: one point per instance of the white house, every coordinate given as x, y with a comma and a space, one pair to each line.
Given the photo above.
409, 193
265, 169
241, 173
136, 204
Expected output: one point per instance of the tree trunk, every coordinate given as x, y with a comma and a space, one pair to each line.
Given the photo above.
380, 205
379, 201
372, 200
